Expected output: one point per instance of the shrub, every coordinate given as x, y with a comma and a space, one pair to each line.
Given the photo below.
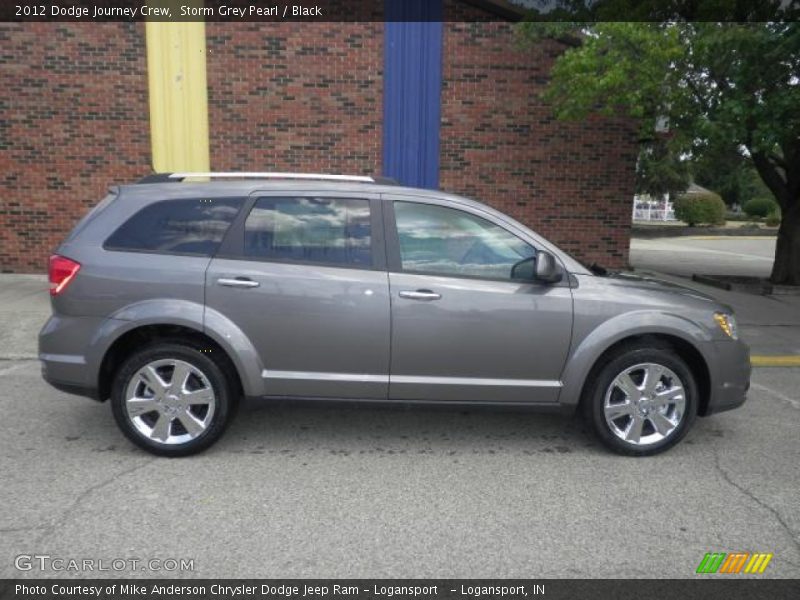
698, 209
774, 218
760, 206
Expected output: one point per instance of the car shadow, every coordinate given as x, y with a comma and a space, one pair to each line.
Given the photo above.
263, 427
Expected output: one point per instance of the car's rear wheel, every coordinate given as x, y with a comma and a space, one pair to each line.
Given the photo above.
172, 399
642, 401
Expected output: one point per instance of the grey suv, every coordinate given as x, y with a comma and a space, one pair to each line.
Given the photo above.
176, 297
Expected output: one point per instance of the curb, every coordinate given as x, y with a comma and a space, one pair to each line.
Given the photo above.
757, 286
665, 231
785, 360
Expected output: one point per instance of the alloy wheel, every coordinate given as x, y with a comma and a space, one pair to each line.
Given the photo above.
645, 404
170, 401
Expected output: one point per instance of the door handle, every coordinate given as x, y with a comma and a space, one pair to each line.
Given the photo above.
420, 295
240, 282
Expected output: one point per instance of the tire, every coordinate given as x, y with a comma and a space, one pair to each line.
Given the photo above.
167, 417
664, 410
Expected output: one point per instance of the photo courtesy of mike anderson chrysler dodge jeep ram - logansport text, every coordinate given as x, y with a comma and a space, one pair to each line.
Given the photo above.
179, 295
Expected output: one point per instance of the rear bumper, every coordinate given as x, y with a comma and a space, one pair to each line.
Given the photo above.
730, 376
69, 388
63, 342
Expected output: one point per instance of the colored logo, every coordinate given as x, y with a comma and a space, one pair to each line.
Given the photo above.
734, 562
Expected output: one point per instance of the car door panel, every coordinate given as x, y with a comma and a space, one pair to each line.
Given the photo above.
481, 341
474, 339
321, 330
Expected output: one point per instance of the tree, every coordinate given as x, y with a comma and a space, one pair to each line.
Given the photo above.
717, 85
660, 171
727, 172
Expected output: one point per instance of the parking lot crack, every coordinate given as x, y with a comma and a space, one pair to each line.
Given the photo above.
76, 503
784, 525
21, 529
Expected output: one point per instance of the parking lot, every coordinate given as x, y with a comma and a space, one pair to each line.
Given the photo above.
716, 255
297, 491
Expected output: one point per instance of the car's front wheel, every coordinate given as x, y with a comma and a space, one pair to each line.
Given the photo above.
642, 401
171, 399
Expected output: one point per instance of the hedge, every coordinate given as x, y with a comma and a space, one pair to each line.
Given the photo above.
760, 207
700, 209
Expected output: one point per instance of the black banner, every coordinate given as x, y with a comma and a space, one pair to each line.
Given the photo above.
725, 588
311, 11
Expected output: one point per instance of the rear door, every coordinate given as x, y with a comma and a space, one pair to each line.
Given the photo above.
463, 329
303, 275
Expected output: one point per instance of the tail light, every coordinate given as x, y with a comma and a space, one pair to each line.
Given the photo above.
61, 271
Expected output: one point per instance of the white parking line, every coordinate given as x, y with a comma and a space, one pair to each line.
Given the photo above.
13, 368
762, 388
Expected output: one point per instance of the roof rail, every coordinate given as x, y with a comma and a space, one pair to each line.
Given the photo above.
176, 177
252, 175
156, 178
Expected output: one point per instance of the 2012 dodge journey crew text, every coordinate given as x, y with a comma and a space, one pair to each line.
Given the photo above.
177, 296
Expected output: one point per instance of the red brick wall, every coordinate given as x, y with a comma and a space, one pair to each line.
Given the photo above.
73, 119
571, 182
296, 97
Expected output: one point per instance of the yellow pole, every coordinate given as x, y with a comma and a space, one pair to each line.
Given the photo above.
176, 72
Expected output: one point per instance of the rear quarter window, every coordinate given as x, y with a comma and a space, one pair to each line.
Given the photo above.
192, 226
90, 216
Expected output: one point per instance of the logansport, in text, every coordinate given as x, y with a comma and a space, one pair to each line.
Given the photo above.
285, 590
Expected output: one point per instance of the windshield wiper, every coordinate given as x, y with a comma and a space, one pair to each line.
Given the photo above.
598, 269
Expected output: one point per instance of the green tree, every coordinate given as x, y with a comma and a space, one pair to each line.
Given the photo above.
727, 172
660, 171
717, 85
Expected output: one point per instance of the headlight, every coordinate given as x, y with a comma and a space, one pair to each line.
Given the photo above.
727, 323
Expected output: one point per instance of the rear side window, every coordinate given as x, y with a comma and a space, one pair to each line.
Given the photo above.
191, 226
332, 231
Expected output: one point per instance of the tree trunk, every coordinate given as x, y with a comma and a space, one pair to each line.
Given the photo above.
786, 268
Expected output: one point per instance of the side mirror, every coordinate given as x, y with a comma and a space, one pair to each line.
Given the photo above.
547, 268
525, 269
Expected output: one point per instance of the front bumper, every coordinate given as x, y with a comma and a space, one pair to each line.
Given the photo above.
730, 376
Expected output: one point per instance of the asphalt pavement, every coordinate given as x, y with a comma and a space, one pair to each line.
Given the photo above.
709, 255
296, 491
345, 492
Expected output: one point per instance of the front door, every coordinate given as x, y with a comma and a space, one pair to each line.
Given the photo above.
462, 328
305, 280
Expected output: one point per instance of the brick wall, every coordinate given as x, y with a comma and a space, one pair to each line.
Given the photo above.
571, 182
296, 97
73, 119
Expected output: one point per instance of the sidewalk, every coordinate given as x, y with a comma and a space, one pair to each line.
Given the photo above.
769, 324
24, 308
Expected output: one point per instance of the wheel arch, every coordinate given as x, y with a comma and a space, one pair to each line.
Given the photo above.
169, 317
144, 335
661, 330
693, 358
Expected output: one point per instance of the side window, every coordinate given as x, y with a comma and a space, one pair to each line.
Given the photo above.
446, 241
317, 230
192, 226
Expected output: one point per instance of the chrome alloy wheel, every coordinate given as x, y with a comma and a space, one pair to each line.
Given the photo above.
644, 404
170, 401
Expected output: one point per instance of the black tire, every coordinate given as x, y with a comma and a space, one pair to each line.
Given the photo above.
616, 364
217, 373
